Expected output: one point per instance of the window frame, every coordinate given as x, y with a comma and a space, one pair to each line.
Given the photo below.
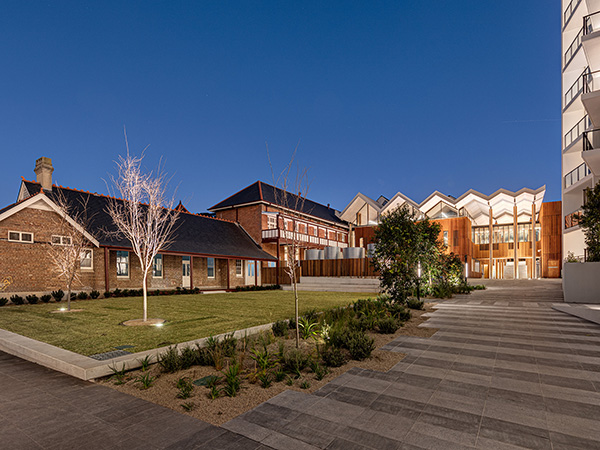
21, 233
91, 258
122, 252
239, 268
162, 266
208, 267
61, 239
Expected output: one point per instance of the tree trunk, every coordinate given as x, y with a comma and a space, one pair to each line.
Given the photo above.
69, 298
145, 289
295, 287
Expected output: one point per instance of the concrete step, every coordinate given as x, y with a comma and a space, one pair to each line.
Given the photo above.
337, 284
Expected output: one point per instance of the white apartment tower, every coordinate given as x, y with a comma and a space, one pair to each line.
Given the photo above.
580, 114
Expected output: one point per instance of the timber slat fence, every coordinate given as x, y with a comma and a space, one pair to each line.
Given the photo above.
359, 268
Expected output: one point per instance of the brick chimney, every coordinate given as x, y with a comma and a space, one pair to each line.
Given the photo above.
43, 171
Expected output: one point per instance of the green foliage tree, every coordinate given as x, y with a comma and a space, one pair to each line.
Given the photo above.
590, 223
401, 243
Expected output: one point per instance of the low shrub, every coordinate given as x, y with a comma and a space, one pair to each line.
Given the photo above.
146, 381
360, 346
292, 323
269, 287
398, 311
3, 301
117, 293
32, 299
46, 298
185, 386
170, 361
107, 294
305, 385
266, 379
478, 287
58, 295
94, 294
233, 381
73, 295
187, 358
413, 303
280, 328
388, 325
294, 361
82, 295
333, 357
17, 300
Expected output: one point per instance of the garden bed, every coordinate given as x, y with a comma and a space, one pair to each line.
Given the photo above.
164, 390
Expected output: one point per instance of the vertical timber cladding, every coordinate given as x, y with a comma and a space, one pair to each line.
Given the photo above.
551, 239
459, 236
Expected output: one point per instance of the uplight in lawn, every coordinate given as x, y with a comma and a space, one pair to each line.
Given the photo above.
158, 325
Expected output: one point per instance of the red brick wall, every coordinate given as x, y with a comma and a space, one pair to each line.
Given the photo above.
29, 265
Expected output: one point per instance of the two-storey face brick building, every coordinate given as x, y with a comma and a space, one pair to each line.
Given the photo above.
273, 217
206, 252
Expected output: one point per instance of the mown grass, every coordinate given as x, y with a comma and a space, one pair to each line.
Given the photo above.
98, 328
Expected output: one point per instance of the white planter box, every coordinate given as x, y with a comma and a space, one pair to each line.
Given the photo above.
581, 282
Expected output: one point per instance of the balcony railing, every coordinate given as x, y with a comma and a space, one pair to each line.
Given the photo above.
591, 23
591, 139
572, 220
574, 133
572, 50
577, 88
577, 174
276, 233
570, 10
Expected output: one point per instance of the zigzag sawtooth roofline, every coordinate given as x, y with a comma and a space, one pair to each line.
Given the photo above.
362, 197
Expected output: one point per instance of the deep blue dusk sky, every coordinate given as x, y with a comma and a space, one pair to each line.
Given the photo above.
383, 97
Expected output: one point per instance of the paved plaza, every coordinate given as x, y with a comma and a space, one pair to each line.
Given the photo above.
504, 371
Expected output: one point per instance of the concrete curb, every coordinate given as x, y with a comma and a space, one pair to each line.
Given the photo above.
86, 368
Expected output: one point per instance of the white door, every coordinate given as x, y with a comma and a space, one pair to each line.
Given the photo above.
523, 270
250, 268
185, 269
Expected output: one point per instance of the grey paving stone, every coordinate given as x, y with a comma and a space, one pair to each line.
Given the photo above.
516, 434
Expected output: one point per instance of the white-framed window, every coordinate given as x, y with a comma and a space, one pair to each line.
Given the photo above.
61, 240
271, 221
86, 261
122, 264
20, 236
210, 267
157, 267
239, 271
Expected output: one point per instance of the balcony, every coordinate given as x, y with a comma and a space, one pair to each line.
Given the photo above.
275, 234
572, 137
576, 175
591, 150
569, 11
590, 40
573, 48
576, 89
572, 220
590, 96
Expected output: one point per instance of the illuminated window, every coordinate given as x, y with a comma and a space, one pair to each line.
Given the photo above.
238, 267
210, 267
86, 261
157, 267
61, 240
122, 264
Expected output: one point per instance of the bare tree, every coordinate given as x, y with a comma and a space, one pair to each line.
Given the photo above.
144, 215
70, 244
290, 193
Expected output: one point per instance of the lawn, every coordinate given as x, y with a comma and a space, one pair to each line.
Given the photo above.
97, 328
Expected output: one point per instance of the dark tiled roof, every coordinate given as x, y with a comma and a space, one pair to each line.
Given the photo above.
262, 192
194, 234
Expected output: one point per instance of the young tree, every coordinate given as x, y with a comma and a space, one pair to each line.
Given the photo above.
401, 244
590, 222
143, 214
290, 193
70, 241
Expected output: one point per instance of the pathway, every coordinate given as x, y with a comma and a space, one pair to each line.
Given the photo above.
504, 371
